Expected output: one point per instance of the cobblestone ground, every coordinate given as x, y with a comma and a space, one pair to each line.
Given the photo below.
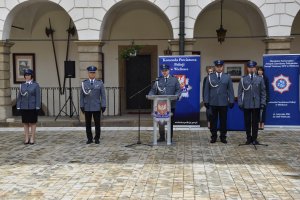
61, 166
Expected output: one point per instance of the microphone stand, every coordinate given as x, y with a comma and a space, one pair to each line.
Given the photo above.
139, 116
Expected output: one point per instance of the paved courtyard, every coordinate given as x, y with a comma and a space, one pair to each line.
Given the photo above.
61, 166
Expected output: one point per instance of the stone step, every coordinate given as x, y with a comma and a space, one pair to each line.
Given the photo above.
128, 120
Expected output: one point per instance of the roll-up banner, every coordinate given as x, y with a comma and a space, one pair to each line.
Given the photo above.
283, 74
187, 70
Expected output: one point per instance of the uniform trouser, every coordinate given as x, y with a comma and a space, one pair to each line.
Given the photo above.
162, 127
208, 114
251, 117
218, 112
88, 124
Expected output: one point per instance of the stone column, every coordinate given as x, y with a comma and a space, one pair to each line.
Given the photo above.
278, 45
5, 94
89, 53
188, 46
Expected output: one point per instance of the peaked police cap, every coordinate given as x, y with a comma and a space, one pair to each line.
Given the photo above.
219, 62
91, 69
251, 64
28, 71
164, 67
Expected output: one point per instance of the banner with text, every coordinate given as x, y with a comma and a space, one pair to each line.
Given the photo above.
187, 70
283, 74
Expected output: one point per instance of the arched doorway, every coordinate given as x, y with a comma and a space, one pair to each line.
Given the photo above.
244, 37
28, 24
144, 24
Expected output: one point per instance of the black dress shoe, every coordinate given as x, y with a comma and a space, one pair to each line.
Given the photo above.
26, 142
89, 142
161, 140
255, 142
248, 142
97, 141
223, 140
213, 140
31, 143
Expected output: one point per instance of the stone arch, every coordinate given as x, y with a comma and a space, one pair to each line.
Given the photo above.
295, 33
14, 7
33, 17
123, 6
278, 16
241, 7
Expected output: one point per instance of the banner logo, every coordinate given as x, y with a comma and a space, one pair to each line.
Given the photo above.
184, 85
281, 84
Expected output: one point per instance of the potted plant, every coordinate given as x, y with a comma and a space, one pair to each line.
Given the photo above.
130, 51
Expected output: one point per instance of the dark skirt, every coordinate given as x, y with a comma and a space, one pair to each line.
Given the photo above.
29, 116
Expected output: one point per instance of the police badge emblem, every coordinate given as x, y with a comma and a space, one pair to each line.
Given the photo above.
281, 83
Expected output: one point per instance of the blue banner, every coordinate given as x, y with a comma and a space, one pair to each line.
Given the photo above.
283, 74
187, 70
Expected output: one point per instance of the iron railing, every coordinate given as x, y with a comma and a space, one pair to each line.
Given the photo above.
52, 102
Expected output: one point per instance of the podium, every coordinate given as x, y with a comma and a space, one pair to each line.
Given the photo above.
161, 114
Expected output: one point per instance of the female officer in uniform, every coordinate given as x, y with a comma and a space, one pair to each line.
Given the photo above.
261, 72
28, 102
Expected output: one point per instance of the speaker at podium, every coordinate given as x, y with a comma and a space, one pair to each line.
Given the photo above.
70, 69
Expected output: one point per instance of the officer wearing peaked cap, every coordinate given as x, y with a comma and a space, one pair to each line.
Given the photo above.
29, 102
92, 101
166, 85
251, 98
218, 94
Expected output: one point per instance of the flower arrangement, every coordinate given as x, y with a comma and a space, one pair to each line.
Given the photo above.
130, 51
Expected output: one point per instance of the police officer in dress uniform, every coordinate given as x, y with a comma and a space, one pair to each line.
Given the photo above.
251, 98
29, 102
92, 101
218, 94
166, 85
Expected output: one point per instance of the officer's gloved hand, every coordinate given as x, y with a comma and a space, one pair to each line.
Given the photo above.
241, 107
231, 105
206, 105
103, 109
82, 109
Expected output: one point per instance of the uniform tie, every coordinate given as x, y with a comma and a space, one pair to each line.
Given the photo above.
166, 79
92, 81
251, 76
219, 76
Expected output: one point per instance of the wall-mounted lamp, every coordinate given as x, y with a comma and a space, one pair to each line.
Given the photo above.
168, 52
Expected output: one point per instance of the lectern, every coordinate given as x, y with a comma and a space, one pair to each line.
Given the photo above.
162, 114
